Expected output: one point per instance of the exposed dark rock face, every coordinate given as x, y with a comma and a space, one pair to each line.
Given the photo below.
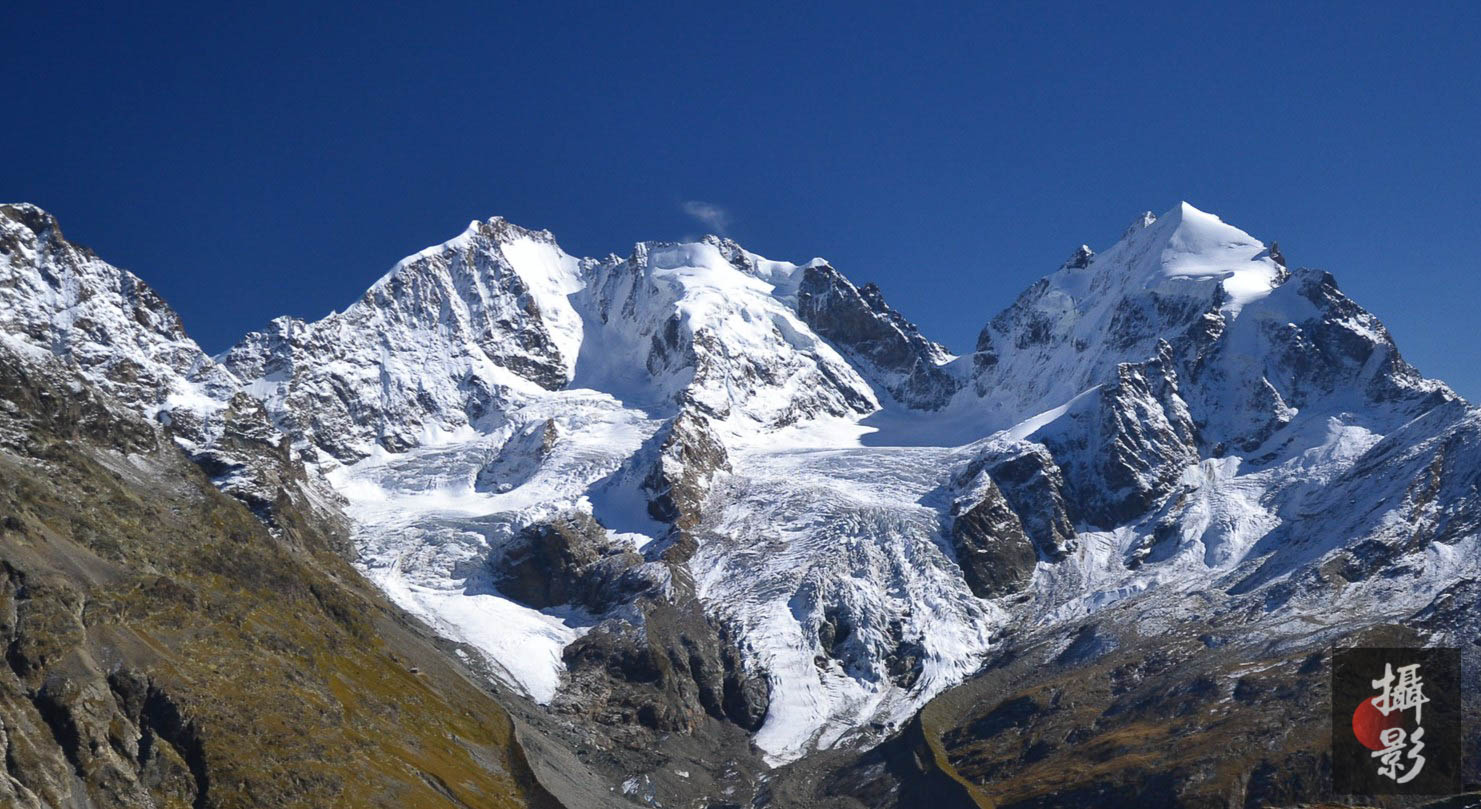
1276, 255
995, 554
1125, 448
859, 322
905, 663
1033, 486
665, 672
849, 641
689, 456
1087, 644
1080, 259
659, 662
838, 639
565, 560
41, 414
1345, 346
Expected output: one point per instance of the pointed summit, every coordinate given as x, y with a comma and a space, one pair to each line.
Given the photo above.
1143, 221
58, 298
439, 343
1080, 259
1186, 244
1166, 277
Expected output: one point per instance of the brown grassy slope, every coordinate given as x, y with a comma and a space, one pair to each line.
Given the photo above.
163, 649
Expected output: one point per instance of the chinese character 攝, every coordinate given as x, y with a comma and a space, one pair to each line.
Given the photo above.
1408, 693
1400, 696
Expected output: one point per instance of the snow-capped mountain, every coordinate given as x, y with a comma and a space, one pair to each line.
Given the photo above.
674, 370
443, 342
60, 299
695, 484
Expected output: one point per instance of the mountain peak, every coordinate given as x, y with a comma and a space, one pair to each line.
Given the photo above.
1166, 276
23, 226
1080, 259
1187, 244
29, 215
1183, 209
495, 230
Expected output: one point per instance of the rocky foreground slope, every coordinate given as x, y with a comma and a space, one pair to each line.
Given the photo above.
717, 530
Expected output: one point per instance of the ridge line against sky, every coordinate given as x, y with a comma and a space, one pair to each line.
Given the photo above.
249, 168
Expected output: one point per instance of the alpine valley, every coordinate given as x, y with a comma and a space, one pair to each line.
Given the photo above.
690, 527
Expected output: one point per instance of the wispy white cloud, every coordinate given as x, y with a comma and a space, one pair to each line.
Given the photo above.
709, 214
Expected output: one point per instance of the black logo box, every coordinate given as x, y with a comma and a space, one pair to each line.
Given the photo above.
1355, 768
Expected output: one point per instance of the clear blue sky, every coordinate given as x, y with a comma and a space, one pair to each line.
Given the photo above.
255, 161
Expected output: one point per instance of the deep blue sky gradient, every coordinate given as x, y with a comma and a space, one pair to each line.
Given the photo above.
271, 160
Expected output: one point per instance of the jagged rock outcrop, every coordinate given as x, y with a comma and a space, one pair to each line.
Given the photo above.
565, 560
689, 456
1124, 446
1033, 486
858, 321
666, 671
991, 546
